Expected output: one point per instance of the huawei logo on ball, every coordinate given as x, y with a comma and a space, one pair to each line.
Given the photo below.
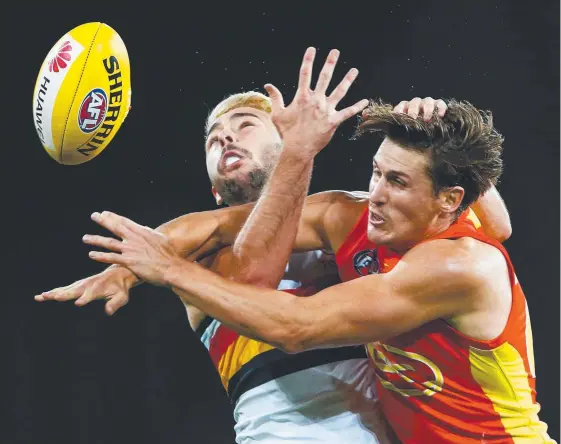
60, 59
92, 111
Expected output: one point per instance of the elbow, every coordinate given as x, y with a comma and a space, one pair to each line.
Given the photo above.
288, 334
289, 341
304, 326
259, 279
256, 274
503, 232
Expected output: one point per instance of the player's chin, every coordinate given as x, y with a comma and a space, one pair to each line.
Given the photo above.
380, 235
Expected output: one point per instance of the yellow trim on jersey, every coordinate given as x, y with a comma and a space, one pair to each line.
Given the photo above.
473, 218
529, 342
502, 376
237, 355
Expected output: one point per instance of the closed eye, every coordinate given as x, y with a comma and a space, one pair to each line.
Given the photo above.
398, 181
211, 142
246, 123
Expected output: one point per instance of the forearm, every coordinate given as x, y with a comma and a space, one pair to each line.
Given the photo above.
493, 214
269, 234
287, 322
254, 312
195, 236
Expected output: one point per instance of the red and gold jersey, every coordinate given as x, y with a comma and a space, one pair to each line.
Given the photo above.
437, 385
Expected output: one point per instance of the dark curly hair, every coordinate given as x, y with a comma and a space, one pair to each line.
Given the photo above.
464, 148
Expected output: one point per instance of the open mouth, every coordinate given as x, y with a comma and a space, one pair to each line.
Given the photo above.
375, 219
230, 161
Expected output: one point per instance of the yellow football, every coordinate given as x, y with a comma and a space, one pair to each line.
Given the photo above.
82, 94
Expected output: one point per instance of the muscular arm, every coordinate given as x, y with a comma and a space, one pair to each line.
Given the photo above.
326, 219
493, 215
269, 233
366, 309
195, 315
245, 265
196, 236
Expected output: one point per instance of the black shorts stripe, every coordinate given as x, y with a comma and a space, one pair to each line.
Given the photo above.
275, 363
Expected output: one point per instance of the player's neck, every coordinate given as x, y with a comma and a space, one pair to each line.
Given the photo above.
237, 204
437, 226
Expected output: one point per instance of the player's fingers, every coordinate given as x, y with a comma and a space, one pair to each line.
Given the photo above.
70, 293
347, 113
108, 258
414, 107
87, 296
62, 293
341, 90
327, 72
115, 223
306, 70
441, 107
364, 114
275, 95
104, 242
427, 108
401, 107
115, 303
109, 221
46, 295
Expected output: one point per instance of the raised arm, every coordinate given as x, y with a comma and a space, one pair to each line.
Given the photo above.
491, 211
306, 127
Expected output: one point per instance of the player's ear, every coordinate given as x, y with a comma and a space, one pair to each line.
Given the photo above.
217, 197
451, 198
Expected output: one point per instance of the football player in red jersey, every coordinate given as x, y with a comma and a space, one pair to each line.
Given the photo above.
443, 314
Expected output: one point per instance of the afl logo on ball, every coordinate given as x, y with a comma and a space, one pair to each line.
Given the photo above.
366, 262
92, 111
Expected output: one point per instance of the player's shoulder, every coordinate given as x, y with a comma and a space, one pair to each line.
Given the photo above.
465, 259
341, 197
338, 212
341, 207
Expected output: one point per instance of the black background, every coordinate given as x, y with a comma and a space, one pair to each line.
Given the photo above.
78, 376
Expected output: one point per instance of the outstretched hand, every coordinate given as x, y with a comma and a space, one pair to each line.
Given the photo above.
111, 285
309, 122
144, 251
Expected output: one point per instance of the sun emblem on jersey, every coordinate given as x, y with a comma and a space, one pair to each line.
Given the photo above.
366, 262
404, 372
